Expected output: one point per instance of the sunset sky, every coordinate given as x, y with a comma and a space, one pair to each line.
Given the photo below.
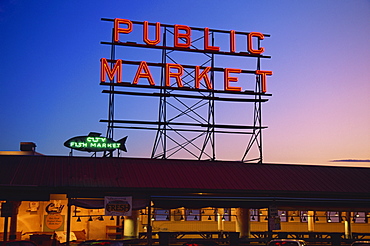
320, 105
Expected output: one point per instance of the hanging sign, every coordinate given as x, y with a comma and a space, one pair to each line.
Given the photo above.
95, 143
118, 206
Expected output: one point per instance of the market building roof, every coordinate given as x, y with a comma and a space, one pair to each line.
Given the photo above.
177, 182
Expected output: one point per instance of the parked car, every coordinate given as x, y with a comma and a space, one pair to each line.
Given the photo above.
361, 243
18, 243
200, 243
286, 242
107, 242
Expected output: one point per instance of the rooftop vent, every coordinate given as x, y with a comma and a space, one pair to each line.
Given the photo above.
28, 146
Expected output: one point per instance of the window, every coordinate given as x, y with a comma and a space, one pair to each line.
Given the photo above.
359, 217
192, 214
333, 217
254, 214
293, 216
304, 216
227, 214
162, 214
283, 216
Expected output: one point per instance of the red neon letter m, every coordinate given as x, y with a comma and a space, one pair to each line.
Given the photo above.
105, 70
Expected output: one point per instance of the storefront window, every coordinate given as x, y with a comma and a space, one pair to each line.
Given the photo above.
303, 216
333, 217
162, 214
359, 217
283, 216
254, 214
193, 214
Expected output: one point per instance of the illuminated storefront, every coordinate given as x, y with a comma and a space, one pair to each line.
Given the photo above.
185, 197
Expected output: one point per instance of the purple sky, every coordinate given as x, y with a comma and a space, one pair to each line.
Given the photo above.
319, 111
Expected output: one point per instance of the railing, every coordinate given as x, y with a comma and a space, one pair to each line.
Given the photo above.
232, 238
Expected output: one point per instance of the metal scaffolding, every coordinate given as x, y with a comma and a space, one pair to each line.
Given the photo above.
186, 125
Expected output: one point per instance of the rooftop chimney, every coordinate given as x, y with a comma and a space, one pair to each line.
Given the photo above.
28, 146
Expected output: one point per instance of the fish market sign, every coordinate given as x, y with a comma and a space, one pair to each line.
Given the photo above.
94, 143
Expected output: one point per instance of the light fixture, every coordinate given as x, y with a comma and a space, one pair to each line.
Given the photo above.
354, 219
78, 219
266, 218
153, 218
336, 214
209, 217
304, 218
317, 218
101, 218
112, 218
181, 217
283, 213
223, 218
329, 220
292, 218
122, 217
253, 217
357, 215
195, 217
167, 218
90, 219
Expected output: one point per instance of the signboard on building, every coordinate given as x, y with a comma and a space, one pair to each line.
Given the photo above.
274, 219
95, 143
181, 70
54, 220
118, 206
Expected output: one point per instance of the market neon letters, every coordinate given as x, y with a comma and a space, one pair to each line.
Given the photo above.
263, 79
182, 36
146, 74
105, 70
176, 71
228, 79
157, 34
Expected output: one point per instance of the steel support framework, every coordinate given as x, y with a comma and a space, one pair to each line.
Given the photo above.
186, 124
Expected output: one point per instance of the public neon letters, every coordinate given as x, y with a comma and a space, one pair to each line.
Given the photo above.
182, 40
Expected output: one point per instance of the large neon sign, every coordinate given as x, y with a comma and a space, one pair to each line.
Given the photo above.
220, 66
182, 40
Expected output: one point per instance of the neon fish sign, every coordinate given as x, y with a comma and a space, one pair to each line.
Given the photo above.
94, 143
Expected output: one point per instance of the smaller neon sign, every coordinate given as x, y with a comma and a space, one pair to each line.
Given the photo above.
95, 143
